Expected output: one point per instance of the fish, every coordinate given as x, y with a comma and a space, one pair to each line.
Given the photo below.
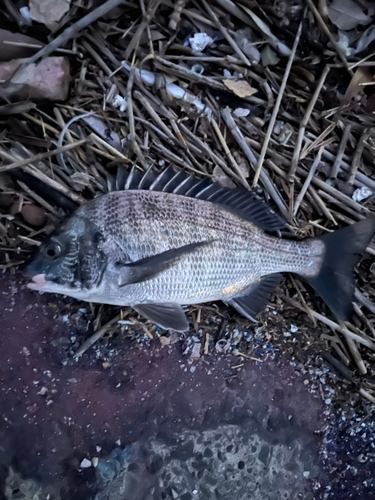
160, 241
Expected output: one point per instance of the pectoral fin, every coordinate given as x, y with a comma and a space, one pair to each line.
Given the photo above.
256, 300
150, 267
167, 316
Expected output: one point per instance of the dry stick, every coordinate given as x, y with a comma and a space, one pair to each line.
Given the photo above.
357, 155
323, 25
73, 29
308, 179
335, 193
340, 152
277, 106
304, 122
361, 178
226, 34
238, 136
348, 334
176, 14
38, 157
318, 142
367, 395
147, 105
96, 336
364, 318
133, 139
229, 154
364, 300
341, 205
356, 356
205, 148
39, 199
307, 308
321, 205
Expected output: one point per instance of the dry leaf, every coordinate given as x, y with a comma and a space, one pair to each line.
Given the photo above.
269, 56
48, 12
362, 75
367, 37
346, 14
221, 177
273, 40
240, 87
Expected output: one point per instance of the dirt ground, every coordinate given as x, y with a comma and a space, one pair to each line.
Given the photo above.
151, 417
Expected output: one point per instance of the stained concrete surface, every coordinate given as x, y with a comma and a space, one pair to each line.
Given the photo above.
156, 425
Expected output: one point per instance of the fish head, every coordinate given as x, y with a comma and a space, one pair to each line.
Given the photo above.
70, 261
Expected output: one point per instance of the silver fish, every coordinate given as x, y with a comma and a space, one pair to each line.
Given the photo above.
158, 242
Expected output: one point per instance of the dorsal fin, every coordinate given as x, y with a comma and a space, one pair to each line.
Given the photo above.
244, 203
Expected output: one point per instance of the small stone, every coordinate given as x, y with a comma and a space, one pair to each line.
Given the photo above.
95, 461
34, 215
164, 340
196, 351
85, 464
306, 474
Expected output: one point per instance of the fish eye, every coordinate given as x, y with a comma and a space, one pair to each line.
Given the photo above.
52, 250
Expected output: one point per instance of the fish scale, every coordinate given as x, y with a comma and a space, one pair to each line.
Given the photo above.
240, 253
166, 239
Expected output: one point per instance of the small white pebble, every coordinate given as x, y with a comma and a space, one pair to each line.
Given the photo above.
95, 461
328, 401
306, 474
98, 448
85, 464
293, 328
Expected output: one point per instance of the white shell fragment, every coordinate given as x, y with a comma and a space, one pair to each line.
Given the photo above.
85, 464
200, 41
120, 102
362, 193
241, 112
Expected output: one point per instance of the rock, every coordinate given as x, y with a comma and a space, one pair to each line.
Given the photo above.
33, 215
48, 79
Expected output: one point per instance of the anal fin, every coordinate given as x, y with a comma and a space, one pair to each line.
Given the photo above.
167, 316
256, 300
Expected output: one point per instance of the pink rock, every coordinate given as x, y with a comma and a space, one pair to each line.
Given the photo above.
48, 79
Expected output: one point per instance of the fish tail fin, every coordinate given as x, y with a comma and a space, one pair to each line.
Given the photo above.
342, 251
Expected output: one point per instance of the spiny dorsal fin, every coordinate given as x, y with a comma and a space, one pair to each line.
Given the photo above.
242, 202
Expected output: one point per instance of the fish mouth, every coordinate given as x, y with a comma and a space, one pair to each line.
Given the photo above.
38, 282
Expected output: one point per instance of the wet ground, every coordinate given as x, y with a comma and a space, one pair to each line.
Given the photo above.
149, 422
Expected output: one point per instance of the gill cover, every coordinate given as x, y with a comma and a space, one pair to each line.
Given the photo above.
71, 256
